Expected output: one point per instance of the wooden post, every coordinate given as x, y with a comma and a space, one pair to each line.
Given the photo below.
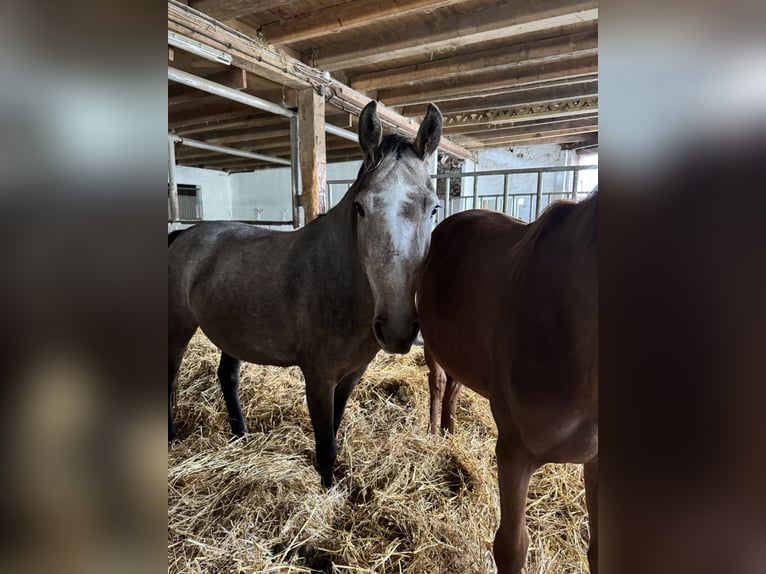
295, 176
311, 143
175, 212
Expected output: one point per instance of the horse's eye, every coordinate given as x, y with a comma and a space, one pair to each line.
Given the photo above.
358, 209
435, 210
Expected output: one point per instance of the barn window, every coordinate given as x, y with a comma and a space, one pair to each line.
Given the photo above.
188, 202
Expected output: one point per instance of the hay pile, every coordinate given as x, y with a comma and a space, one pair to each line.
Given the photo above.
404, 501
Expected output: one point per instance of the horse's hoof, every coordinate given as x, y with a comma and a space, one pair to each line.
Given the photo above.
327, 481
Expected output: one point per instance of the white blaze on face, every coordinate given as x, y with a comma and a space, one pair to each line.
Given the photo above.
393, 238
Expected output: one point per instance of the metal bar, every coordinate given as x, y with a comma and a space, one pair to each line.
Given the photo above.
475, 193
227, 150
252, 221
574, 185
175, 210
206, 85
295, 170
539, 200
340, 132
516, 171
505, 194
447, 206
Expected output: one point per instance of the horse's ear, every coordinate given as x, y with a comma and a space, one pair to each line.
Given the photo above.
370, 132
430, 133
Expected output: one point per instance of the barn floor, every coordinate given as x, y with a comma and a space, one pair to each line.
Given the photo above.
404, 501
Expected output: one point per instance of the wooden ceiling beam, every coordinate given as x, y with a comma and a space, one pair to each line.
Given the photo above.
488, 21
252, 122
499, 60
227, 9
543, 139
505, 140
265, 61
348, 16
530, 97
442, 90
464, 123
538, 127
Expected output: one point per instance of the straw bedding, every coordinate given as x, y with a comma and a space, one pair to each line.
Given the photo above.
404, 501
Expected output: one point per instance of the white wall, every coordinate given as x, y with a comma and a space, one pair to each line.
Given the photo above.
215, 190
263, 194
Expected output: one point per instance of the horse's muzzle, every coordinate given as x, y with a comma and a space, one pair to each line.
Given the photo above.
394, 340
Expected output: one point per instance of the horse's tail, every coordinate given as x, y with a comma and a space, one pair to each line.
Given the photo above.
173, 235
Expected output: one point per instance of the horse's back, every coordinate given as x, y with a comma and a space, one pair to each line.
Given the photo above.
456, 295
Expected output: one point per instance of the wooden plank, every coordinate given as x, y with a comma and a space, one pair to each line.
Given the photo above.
549, 128
232, 77
348, 16
445, 31
311, 143
265, 61
516, 96
574, 136
441, 90
498, 60
225, 9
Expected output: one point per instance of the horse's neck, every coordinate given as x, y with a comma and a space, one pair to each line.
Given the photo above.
336, 238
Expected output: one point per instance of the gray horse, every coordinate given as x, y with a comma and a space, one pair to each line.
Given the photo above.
325, 297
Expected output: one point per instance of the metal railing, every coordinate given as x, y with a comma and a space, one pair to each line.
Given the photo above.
513, 203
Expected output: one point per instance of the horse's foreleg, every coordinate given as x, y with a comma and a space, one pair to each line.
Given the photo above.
342, 393
178, 339
228, 374
437, 381
514, 468
591, 499
320, 397
449, 404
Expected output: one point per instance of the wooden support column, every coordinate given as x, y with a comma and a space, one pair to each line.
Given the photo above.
311, 143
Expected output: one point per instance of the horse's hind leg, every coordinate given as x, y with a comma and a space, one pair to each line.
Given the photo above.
228, 374
437, 381
449, 404
178, 340
591, 499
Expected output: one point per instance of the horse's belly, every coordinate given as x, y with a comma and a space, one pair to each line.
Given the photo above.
263, 347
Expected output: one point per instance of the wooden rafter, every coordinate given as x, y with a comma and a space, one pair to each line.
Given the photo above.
267, 62
528, 96
348, 16
226, 9
491, 82
497, 60
446, 32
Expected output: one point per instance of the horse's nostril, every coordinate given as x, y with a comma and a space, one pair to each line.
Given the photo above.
378, 329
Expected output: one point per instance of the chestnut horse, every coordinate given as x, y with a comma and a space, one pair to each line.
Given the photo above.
325, 297
493, 234
519, 325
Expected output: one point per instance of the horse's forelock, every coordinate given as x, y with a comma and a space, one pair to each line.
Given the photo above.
392, 143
